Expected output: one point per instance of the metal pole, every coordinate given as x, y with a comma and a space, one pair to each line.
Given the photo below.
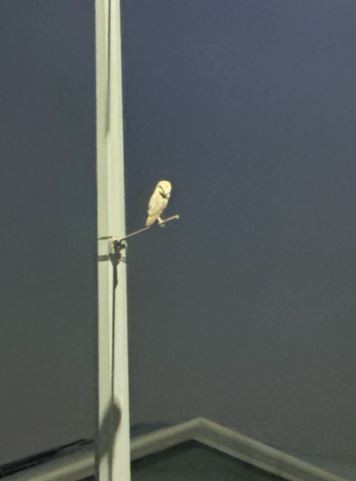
113, 438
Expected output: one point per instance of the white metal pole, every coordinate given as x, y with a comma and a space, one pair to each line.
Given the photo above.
113, 460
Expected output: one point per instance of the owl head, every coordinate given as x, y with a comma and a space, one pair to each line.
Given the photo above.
164, 188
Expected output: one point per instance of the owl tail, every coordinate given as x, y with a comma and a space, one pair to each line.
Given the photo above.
151, 219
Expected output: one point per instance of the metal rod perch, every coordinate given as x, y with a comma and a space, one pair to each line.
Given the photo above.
139, 231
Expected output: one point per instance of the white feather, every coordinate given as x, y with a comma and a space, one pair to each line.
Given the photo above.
158, 201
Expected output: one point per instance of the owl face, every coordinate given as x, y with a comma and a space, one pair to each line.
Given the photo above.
164, 188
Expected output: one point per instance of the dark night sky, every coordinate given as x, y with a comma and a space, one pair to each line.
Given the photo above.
244, 311
48, 273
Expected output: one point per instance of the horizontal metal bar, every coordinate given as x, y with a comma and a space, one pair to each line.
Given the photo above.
139, 231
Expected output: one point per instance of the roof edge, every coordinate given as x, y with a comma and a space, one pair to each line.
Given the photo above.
81, 464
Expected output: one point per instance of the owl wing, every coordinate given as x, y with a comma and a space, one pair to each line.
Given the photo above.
155, 206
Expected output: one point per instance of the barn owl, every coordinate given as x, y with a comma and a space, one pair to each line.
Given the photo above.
158, 202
